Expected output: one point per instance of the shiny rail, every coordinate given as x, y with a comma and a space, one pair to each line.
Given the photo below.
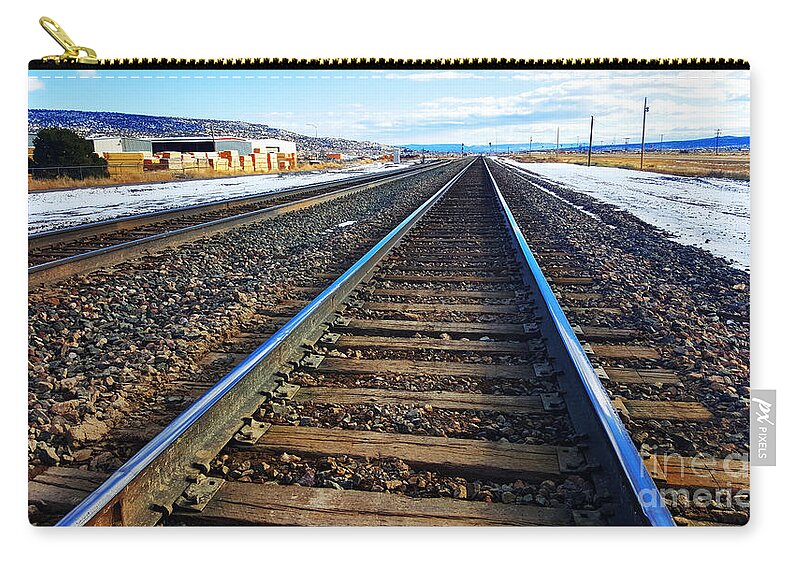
145, 466
641, 484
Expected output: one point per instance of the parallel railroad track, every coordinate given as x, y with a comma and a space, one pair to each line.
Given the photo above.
57, 254
448, 326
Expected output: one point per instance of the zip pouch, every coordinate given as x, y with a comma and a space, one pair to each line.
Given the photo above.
381, 292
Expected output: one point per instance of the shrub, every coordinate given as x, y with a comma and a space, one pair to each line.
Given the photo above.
61, 152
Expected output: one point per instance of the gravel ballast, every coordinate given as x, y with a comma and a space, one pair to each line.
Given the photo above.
103, 344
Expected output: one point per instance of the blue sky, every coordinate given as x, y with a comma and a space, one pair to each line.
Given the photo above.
422, 107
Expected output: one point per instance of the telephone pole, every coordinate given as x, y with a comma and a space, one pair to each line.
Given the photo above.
530, 145
661, 146
626, 143
591, 132
558, 133
644, 120
716, 147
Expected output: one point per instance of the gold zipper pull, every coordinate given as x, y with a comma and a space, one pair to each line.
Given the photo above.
72, 52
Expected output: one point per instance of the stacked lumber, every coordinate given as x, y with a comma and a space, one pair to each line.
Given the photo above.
260, 161
246, 163
125, 162
232, 158
287, 161
155, 164
219, 163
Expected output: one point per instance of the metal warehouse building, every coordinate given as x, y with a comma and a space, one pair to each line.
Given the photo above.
202, 144
121, 144
273, 145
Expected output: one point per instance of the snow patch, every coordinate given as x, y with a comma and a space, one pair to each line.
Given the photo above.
60, 209
710, 213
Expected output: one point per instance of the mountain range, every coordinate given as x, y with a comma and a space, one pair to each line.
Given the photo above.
725, 143
95, 124
98, 123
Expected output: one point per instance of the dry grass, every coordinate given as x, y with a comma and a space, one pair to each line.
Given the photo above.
137, 177
305, 166
725, 165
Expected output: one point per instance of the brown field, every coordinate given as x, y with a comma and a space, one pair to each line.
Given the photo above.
64, 183
725, 165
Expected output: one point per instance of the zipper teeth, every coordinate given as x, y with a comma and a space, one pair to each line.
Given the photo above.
365, 62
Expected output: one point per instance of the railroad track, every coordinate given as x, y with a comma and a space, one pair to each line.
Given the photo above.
442, 355
58, 254
664, 405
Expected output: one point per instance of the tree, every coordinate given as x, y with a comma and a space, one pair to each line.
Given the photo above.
60, 152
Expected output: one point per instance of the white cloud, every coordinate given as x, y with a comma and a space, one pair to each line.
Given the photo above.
35, 84
689, 104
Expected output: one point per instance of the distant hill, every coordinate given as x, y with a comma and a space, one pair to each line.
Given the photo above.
725, 143
89, 123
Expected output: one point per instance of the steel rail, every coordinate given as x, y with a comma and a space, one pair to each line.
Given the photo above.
641, 484
117, 253
152, 466
60, 235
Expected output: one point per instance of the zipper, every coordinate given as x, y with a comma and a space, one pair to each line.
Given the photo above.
72, 52
79, 57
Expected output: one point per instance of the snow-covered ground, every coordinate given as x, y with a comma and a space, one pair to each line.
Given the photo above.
52, 210
711, 213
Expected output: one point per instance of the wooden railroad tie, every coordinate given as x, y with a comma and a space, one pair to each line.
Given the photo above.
681, 472
434, 368
392, 327
659, 410
412, 343
468, 458
440, 400
247, 504
638, 375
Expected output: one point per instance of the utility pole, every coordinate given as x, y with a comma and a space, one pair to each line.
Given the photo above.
558, 133
716, 147
591, 132
644, 119
462, 149
316, 139
490, 147
626, 143
530, 145
661, 146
